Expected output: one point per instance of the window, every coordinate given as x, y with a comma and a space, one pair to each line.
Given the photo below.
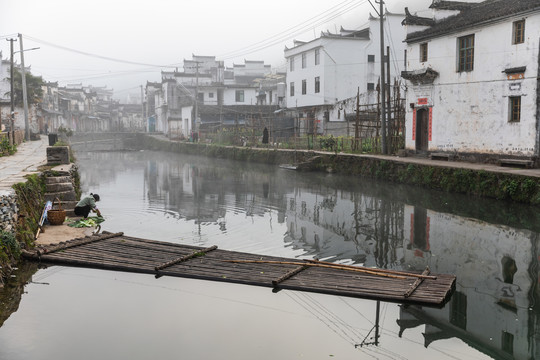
458, 310
304, 60
371, 58
304, 87
466, 53
507, 342
423, 52
515, 109
370, 86
519, 32
291, 89
291, 63
239, 96
317, 56
211, 95
317, 84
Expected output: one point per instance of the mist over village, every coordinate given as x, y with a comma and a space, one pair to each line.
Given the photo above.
230, 180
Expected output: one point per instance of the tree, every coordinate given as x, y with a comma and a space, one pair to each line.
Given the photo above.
34, 88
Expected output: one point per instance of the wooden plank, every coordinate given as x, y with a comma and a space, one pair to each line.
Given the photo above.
185, 258
416, 283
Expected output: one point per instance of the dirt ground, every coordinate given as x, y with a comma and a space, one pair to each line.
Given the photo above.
54, 234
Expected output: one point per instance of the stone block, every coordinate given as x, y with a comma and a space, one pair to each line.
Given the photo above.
58, 155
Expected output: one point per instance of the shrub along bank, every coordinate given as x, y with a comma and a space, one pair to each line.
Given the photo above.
501, 186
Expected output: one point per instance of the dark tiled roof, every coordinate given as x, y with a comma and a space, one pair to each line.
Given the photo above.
416, 20
450, 5
486, 11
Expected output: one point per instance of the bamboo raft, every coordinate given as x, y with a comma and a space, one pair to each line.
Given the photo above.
115, 251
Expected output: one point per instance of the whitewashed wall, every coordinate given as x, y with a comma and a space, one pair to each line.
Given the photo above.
250, 96
471, 109
344, 68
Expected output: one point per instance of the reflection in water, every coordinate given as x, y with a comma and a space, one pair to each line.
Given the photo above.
11, 293
492, 247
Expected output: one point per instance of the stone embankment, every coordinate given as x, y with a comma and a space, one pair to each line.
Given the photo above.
9, 211
476, 179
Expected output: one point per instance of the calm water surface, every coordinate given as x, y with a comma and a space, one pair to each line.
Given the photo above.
492, 247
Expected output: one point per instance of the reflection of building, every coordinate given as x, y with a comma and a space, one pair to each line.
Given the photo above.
345, 226
497, 272
496, 305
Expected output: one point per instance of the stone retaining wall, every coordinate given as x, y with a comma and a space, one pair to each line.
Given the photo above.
8, 212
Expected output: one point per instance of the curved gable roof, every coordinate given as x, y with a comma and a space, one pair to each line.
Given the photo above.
479, 13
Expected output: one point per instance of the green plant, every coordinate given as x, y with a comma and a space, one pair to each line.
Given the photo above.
60, 143
68, 132
6, 148
9, 247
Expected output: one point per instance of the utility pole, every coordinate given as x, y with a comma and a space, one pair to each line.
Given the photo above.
25, 95
383, 87
12, 113
388, 103
142, 107
197, 124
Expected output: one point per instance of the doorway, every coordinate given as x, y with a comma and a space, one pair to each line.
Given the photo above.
422, 129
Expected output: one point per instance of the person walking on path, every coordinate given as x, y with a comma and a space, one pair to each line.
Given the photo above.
87, 204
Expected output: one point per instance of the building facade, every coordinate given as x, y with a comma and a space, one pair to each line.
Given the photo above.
472, 74
325, 75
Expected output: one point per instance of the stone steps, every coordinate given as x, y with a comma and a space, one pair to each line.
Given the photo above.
61, 187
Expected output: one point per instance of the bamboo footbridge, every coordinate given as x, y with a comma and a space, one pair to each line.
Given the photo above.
115, 251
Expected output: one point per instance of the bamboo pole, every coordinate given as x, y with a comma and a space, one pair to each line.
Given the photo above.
335, 266
395, 272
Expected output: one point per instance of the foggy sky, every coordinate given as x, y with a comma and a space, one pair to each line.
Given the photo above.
158, 35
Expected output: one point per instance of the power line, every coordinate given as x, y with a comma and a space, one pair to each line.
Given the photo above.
276, 39
287, 31
43, 42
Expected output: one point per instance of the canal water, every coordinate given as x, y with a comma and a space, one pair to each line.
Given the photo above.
75, 313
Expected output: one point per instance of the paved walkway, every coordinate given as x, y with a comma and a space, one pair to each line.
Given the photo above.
29, 156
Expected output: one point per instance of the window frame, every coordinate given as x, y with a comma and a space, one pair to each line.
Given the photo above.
291, 89
370, 58
317, 84
465, 55
514, 109
424, 52
518, 33
304, 60
317, 56
304, 87
291, 64
239, 96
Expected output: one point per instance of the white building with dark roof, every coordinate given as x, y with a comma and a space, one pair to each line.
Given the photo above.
325, 74
472, 71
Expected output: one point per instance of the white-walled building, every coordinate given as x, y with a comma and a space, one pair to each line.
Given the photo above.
472, 72
324, 75
206, 90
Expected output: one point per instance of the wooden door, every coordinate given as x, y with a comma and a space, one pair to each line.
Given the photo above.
422, 129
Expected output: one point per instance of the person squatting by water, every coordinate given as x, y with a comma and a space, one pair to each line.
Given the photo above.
87, 204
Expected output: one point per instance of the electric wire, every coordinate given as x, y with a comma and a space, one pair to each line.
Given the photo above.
65, 48
307, 22
292, 34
